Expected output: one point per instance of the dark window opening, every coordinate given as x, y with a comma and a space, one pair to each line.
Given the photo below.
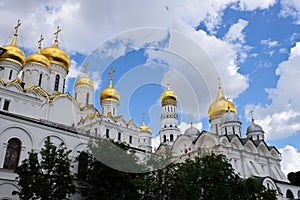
233, 129
6, 105
56, 84
76, 95
107, 133
171, 137
87, 98
12, 154
130, 139
40, 80
165, 138
64, 85
10, 74
119, 136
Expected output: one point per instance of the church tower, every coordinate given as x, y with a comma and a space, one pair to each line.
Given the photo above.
217, 110
110, 99
60, 64
169, 130
84, 89
12, 60
255, 131
36, 70
145, 137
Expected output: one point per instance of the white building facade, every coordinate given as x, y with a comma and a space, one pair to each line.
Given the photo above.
34, 106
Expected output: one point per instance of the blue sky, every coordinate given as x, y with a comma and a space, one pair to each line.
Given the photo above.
252, 45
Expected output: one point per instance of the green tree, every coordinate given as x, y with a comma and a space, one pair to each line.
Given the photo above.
109, 172
294, 178
50, 178
209, 177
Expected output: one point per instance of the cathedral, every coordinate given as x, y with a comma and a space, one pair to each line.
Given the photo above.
34, 106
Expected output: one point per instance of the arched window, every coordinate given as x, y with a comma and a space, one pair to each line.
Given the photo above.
171, 137
64, 85
289, 194
165, 138
40, 80
56, 84
10, 74
12, 154
82, 165
87, 98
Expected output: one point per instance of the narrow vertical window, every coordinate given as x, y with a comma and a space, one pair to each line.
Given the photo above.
130, 139
12, 155
10, 74
96, 131
56, 84
171, 137
6, 105
233, 129
114, 110
107, 133
87, 98
225, 130
165, 138
64, 86
40, 80
75, 95
119, 136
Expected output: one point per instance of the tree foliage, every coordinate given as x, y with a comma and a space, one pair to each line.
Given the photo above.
294, 178
49, 178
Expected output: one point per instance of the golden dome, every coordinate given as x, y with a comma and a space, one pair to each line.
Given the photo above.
84, 81
38, 58
56, 55
14, 53
168, 97
110, 93
144, 128
220, 106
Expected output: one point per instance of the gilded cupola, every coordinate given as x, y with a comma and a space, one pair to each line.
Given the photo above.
56, 55
144, 128
110, 93
168, 97
13, 52
220, 106
38, 58
84, 80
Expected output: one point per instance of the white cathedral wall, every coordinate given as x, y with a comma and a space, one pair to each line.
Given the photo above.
8, 66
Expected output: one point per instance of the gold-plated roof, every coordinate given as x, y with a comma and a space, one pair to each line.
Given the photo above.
110, 93
38, 58
13, 52
168, 97
84, 80
144, 128
56, 55
220, 106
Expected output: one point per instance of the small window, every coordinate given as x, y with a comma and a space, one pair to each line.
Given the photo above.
56, 84
107, 133
165, 138
171, 125
96, 131
64, 86
6, 105
233, 129
12, 155
165, 126
88, 132
114, 111
130, 139
40, 80
10, 74
119, 136
76, 95
87, 98
225, 130
171, 137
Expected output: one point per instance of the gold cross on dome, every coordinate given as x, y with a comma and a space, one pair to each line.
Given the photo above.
56, 33
143, 116
85, 66
111, 73
17, 27
40, 42
191, 120
252, 116
219, 80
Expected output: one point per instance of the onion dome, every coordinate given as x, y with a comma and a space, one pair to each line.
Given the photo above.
192, 131
168, 97
56, 55
38, 58
84, 80
110, 93
254, 128
144, 128
13, 52
220, 106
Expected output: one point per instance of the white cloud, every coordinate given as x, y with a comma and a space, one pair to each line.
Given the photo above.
255, 4
281, 117
290, 159
269, 43
235, 32
290, 8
